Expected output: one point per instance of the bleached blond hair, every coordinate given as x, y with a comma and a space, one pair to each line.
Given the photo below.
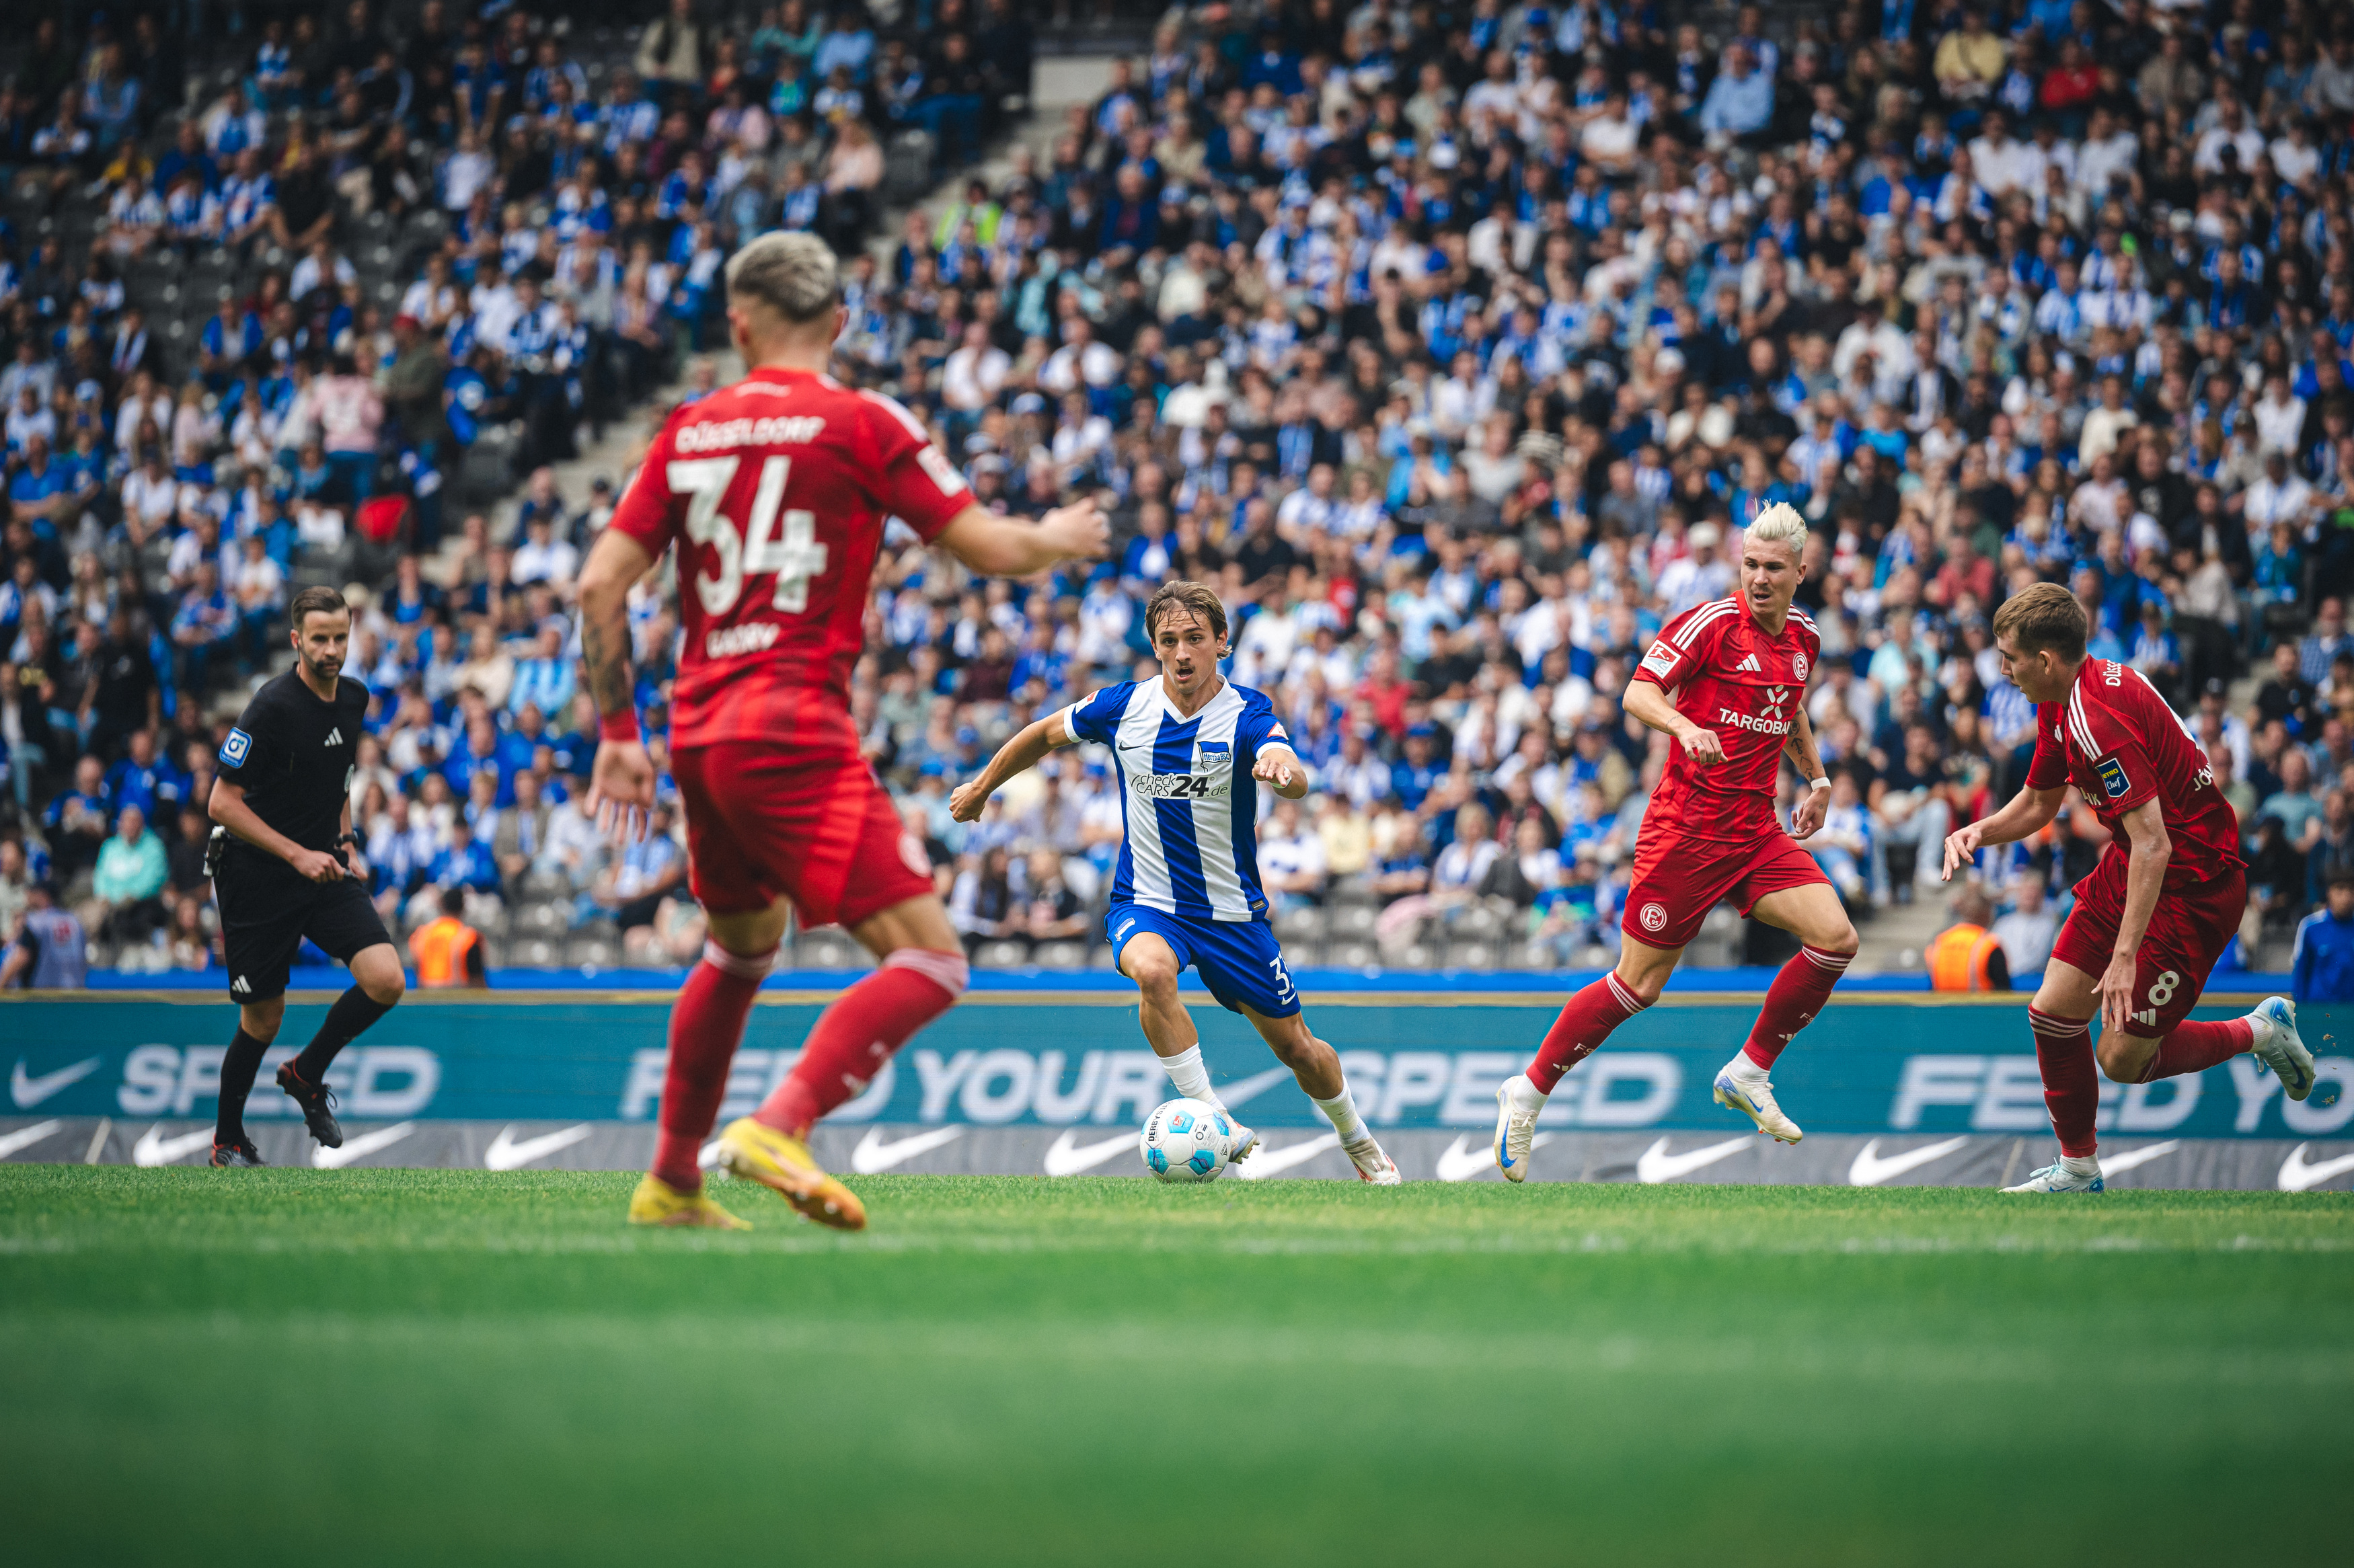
792, 274
1779, 523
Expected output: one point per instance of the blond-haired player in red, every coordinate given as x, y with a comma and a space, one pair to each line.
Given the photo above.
1727, 680
774, 492
2157, 911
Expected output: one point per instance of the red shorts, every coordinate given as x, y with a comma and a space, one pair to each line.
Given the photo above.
761, 824
1678, 880
2187, 932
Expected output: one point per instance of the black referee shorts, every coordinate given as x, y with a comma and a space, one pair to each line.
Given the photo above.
265, 918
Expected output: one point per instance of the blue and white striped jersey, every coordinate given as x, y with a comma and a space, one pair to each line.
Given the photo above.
1186, 796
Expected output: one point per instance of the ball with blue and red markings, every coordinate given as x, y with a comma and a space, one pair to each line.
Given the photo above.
1186, 1140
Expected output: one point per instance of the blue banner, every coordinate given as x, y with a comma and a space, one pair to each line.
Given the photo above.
1865, 1066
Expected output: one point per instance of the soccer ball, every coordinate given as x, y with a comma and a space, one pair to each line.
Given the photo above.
1185, 1140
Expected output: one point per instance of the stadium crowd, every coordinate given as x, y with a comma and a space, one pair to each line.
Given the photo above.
1454, 343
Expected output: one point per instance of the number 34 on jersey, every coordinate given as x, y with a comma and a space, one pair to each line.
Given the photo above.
774, 492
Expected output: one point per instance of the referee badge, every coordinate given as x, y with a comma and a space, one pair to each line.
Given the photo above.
234, 749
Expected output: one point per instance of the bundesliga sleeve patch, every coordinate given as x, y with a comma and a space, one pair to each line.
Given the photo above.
2112, 774
1661, 659
235, 749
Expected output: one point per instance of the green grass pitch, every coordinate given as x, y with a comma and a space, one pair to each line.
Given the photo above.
410, 1367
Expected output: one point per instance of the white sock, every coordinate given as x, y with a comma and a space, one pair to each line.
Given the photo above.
1744, 1070
1341, 1112
2081, 1164
1192, 1078
1525, 1096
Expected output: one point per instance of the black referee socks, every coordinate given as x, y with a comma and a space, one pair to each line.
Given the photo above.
244, 1059
346, 1021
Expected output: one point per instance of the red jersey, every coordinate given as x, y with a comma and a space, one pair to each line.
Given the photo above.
775, 490
1728, 675
2118, 742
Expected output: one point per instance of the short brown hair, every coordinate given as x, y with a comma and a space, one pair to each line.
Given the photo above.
1196, 599
2046, 615
319, 600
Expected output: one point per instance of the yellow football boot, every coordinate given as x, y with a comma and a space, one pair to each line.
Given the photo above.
762, 1154
657, 1202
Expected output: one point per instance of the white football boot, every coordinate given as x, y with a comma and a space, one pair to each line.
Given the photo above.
2057, 1178
2278, 1046
1372, 1165
1244, 1141
1750, 1094
1516, 1127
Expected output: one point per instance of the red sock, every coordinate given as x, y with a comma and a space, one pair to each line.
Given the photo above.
1796, 994
707, 1025
2072, 1084
2195, 1047
858, 1034
1586, 1023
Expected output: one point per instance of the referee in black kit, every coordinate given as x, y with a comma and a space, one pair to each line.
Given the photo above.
284, 798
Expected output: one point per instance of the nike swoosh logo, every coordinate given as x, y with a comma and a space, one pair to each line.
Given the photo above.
1658, 1165
1463, 1158
28, 1091
1870, 1170
507, 1152
360, 1148
873, 1154
1250, 1088
1268, 1161
154, 1149
2112, 1163
26, 1136
1068, 1156
2296, 1176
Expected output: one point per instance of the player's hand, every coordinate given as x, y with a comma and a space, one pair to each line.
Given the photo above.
1702, 747
966, 801
2117, 990
1960, 846
1278, 769
1806, 816
621, 789
317, 865
1078, 531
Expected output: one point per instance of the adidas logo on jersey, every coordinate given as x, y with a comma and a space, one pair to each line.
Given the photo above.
336, 735
1751, 666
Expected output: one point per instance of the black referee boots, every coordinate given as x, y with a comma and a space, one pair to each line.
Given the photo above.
241, 1152
318, 1103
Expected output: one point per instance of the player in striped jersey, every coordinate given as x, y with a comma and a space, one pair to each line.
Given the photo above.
1727, 680
1190, 747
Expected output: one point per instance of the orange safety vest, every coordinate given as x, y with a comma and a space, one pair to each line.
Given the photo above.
1958, 957
441, 949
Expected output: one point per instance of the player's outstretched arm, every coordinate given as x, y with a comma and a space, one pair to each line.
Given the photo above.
1016, 755
1281, 766
1653, 705
1016, 547
2027, 812
621, 784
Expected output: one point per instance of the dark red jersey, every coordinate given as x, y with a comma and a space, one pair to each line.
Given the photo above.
1726, 674
2118, 742
774, 492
